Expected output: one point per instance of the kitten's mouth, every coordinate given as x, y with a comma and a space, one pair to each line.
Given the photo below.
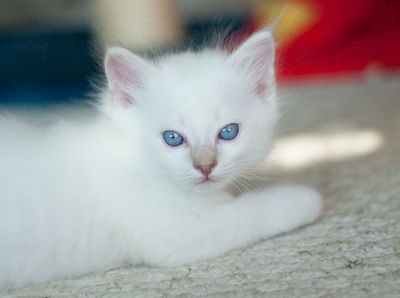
207, 180
209, 184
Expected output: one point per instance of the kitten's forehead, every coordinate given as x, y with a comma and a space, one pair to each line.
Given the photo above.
200, 108
198, 85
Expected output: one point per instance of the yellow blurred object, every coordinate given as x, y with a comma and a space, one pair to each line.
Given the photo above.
138, 24
296, 17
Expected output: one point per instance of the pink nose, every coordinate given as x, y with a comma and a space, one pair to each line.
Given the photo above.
206, 169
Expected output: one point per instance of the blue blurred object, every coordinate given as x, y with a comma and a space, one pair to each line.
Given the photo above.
42, 68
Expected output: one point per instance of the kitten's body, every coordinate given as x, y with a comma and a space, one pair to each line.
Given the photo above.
77, 197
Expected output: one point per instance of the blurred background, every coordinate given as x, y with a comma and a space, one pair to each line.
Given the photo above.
50, 49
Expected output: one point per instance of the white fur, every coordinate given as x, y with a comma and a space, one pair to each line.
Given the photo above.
77, 197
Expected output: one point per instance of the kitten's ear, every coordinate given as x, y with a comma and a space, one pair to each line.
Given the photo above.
126, 73
255, 58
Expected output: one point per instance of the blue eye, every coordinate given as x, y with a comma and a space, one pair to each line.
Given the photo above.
173, 138
229, 132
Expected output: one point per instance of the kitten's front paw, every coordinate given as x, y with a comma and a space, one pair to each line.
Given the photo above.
306, 203
289, 207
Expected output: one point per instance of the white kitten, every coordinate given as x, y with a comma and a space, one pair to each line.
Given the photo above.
143, 181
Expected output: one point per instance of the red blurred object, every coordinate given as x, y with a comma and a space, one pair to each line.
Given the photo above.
350, 37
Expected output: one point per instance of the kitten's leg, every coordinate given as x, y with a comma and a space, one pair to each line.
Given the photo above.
214, 230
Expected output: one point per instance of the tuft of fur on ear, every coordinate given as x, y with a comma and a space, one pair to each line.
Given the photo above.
255, 58
126, 73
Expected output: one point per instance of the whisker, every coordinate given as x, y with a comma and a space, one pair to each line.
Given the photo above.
242, 184
247, 159
250, 176
251, 185
236, 187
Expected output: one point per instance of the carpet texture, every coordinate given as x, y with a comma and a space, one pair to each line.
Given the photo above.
343, 140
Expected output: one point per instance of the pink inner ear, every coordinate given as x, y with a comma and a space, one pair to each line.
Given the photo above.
261, 88
262, 65
256, 58
122, 73
125, 99
123, 78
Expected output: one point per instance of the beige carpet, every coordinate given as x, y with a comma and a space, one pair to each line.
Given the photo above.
345, 141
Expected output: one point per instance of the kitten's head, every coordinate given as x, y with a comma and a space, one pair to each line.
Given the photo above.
203, 119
